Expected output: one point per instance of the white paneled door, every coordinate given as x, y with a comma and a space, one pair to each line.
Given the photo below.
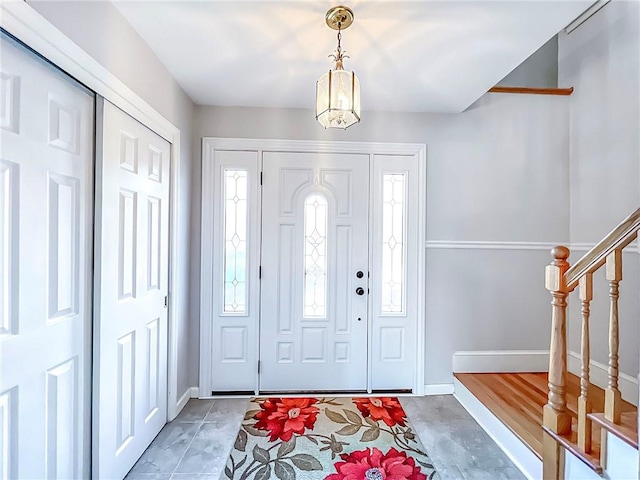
46, 175
315, 264
329, 294
130, 359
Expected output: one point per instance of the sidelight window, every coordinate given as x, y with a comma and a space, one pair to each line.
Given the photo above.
393, 242
235, 241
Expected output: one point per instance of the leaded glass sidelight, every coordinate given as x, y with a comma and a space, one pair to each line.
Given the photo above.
315, 256
235, 241
393, 241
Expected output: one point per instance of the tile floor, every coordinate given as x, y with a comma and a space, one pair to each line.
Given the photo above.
196, 444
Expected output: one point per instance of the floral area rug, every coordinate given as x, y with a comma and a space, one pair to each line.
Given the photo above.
328, 439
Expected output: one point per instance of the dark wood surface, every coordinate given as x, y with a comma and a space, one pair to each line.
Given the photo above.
533, 91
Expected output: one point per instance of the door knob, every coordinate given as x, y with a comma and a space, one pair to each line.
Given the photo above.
359, 291
360, 274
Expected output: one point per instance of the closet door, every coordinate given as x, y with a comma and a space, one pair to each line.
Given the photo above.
46, 174
132, 264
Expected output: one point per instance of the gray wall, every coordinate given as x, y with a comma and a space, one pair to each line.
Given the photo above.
498, 172
539, 70
99, 29
600, 59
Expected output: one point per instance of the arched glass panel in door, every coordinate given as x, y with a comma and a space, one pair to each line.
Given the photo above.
315, 256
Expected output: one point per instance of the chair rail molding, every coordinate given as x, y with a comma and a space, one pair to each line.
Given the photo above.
488, 245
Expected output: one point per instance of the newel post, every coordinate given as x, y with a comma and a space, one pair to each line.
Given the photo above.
555, 415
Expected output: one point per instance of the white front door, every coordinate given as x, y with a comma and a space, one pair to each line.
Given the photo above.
46, 175
315, 263
130, 359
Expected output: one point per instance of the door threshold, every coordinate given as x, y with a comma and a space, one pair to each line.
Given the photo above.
298, 393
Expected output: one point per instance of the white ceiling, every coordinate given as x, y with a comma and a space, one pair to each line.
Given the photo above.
436, 56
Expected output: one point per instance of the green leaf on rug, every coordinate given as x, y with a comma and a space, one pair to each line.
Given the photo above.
254, 431
311, 439
241, 441
306, 462
353, 417
284, 471
250, 414
335, 416
286, 448
370, 435
349, 430
371, 421
227, 472
241, 462
260, 455
264, 473
424, 464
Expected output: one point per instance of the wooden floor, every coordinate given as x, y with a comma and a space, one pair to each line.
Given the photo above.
517, 400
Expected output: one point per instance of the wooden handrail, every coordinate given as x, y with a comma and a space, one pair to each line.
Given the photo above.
617, 239
561, 279
532, 90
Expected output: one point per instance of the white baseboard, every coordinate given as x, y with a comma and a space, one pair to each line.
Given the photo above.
191, 392
182, 401
502, 361
598, 376
527, 461
439, 389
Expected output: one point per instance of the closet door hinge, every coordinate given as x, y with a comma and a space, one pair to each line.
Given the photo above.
260, 178
258, 367
260, 271
166, 301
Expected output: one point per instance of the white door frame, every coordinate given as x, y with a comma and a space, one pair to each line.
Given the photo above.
23, 22
209, 147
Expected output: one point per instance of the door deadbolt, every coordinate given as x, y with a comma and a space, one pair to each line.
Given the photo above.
360, 274
359, 291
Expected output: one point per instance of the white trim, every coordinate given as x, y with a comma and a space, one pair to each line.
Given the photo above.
422, 268
211, 144
184, 398
501, 361
527, 461
438, 389
507, 245
23, 22
313, 146
584, 16
598, 375
581, 247
490, 245
191, 392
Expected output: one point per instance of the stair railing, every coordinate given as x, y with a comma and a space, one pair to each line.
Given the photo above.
561, 279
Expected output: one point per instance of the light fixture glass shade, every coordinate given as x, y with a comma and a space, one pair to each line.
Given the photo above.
338, 99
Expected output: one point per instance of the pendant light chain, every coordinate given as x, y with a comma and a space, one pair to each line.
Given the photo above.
338, 90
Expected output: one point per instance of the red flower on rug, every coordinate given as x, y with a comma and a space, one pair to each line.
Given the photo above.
386, 409
372, 464
282, 417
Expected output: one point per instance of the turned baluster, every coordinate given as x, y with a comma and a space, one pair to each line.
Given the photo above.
613, 399
584, 402
555, 415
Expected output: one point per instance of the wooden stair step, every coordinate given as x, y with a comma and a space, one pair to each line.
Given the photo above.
517, 399
626, 430
570, 442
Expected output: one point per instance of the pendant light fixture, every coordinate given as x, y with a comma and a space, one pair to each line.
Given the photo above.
338, 91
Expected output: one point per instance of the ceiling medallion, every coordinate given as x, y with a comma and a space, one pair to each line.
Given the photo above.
338, 91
